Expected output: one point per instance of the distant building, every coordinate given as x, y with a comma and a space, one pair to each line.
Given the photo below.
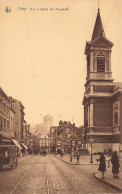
103, 97
44, 142
67, 137
43, 128
47, 122
51, 136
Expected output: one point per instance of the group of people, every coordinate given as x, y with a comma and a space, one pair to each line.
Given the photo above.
43, 152
115, 164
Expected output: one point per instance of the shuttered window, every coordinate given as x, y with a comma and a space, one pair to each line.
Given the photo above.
100, 65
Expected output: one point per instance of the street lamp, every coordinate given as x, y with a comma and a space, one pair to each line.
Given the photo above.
70, 137
91, 141
71, 149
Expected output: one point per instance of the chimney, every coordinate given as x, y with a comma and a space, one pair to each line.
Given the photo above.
60, 122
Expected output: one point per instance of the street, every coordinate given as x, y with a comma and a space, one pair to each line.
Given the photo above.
38, 174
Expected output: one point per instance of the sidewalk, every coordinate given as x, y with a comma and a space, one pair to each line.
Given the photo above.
83, 160
113, 182
116, 183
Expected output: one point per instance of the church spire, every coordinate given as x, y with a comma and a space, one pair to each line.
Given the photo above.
98, 28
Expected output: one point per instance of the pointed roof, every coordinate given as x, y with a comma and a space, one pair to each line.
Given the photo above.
98, 28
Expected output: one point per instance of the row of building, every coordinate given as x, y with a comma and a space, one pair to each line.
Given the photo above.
13, 127
66, 137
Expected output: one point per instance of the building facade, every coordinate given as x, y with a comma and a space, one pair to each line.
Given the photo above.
68, 138
44, 142
13, 128
102, 100
19, 119
12, 123
5, 137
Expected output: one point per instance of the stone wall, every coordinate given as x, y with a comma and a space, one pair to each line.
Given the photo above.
99, 147
102, 112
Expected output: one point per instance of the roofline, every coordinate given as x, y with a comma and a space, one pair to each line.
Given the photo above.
88, 43
5, 94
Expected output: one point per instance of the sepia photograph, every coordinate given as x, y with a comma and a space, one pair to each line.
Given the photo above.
60, 96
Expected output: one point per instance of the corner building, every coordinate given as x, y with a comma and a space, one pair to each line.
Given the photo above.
103, 98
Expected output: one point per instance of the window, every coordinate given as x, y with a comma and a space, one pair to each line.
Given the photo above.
0, 123
4, 124
86, 117
7, 126
88, 66
116, 118
0, 104
100, 62
7, 110
100, 65
4, 107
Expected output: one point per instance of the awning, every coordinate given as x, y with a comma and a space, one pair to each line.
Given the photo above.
16, 143
4, 138
24, 146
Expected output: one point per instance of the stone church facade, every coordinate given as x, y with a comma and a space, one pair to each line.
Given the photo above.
103, 97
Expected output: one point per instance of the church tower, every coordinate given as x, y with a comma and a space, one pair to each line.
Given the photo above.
98, 89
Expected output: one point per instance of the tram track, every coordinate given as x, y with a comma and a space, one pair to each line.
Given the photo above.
27, 174
89, 176
50, 171
47, 179
47, 182
64, 177
20, 181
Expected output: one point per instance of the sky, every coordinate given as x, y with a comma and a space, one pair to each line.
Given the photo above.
42, 61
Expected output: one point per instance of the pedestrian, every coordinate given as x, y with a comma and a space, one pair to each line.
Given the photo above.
102, 165
43, 152
115, 164
40, 152
61, 153
78, 157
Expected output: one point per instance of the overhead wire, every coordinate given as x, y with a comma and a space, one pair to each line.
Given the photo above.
29, 42
116, 2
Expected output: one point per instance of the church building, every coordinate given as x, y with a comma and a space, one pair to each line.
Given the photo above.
103, 97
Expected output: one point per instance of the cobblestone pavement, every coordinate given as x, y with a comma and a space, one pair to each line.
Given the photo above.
82, 178
29, 177
41, 175
85, 160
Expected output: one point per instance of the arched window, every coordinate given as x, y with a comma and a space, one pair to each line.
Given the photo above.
100, 62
